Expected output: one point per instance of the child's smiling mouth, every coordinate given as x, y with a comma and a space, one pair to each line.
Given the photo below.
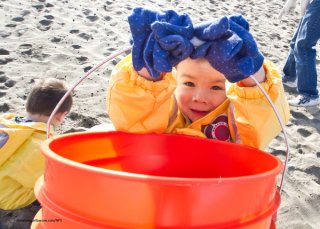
199, 112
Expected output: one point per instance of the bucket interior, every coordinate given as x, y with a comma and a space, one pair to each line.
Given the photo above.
164, 155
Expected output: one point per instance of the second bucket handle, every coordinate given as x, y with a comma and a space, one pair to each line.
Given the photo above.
70, 90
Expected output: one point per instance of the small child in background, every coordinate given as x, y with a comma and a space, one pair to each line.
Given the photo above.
21, 162
193, 80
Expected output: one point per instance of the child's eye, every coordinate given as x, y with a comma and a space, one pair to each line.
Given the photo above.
189, 84
216, 88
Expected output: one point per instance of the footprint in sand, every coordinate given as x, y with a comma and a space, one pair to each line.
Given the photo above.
48, 5
38, 7
107, 18
312, 170
76, 46
33, 52
55, 40
85, 36
108, 7
5, 60
44, 25
86, 69
11, 25
86, 12
277, 152
83, 121
10, 83
25, 12
25, 49
5, 83
20, 32
49, 17
18, 19
93, 18
4, 52
4, 34
74, 31
82, 60
315, 171
304, 132
4, 107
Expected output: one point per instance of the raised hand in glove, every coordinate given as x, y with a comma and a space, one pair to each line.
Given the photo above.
229, 47
140, 26
172, 33
163, 43
250, 57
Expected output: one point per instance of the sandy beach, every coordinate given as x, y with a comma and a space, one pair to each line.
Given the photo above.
65, 39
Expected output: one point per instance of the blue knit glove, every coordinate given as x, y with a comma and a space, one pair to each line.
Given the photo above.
229, 47
140, 26
251, 59
172, 33
166, 45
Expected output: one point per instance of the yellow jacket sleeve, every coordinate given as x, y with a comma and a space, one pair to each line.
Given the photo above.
254, 117
135, 104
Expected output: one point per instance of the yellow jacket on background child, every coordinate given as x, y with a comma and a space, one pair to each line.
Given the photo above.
146, 94
21, 162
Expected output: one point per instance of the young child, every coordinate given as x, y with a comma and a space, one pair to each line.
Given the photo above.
21, 162
208, 93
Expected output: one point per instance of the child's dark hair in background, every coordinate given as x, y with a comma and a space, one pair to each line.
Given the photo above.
45, 95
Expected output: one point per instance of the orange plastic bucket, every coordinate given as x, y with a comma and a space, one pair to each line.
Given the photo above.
123, 180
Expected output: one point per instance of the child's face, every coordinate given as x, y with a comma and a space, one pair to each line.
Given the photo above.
200, 89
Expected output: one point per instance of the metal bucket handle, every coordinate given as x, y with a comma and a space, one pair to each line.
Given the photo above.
70, 90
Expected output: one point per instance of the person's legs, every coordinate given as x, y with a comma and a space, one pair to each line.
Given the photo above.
305, 53
289, 68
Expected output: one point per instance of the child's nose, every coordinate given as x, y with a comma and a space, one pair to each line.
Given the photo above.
200, 97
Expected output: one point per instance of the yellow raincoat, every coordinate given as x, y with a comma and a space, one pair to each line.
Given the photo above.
21, 162
135, 104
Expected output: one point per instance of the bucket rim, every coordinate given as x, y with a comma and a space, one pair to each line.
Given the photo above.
48, 153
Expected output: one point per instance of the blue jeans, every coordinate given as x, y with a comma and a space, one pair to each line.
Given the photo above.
301, 61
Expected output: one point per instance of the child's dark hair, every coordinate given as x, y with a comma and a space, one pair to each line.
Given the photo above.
45, 95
